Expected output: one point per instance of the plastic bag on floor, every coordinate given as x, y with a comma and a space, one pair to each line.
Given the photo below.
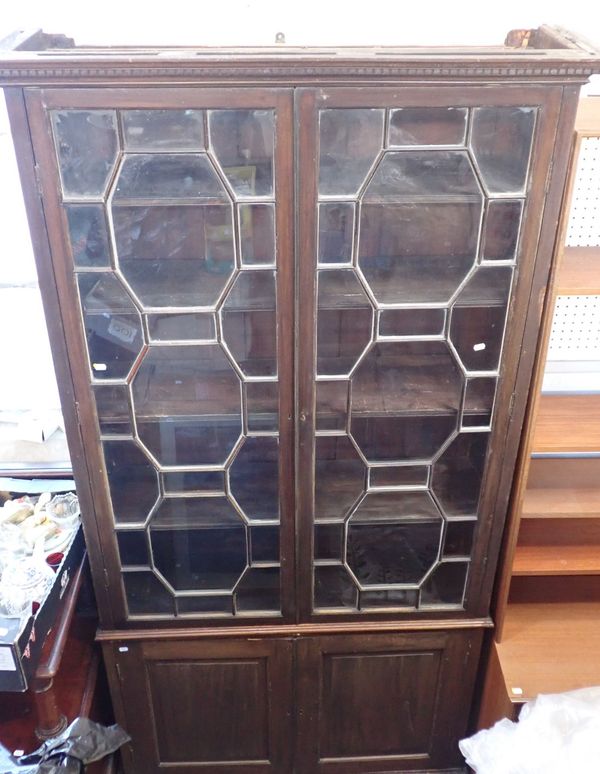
80, 743
555, 733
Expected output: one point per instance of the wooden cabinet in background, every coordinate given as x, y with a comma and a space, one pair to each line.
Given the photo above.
547, 606
293, 297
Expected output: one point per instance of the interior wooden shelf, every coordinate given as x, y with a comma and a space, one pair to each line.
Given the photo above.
550, 648
567, 423
557, 560
561, 502
579, 272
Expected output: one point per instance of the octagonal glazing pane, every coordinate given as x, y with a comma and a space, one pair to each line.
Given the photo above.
393, 537
344, 321
419, 226
113, 327
405, 400
249, 320
388, 553
198, 558
132, 480
173, 225
187, 403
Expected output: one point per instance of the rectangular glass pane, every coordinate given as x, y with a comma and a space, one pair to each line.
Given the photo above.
163, 130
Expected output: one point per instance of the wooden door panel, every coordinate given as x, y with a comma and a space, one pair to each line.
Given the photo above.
207, 707
381, 703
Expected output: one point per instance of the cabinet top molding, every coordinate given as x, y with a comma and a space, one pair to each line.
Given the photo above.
37, 58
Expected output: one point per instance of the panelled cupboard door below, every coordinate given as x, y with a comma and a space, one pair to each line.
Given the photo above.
213, 707
384, 702
210, 328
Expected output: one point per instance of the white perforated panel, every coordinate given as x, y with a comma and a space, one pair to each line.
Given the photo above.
575, 331
584, 219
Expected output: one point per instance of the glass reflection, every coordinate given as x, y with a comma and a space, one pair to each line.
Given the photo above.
259, 590
88, 235
86, 146
417, 252
334, 588
446, 584
207, 604
179, 327
132, 481
112, 407
344, 321
112, 325
405, 400
146, 595
199, 559
340, 477
331, 404
336, 229
411, 322
350, 140
428, 126
501, 139
249, 320
187, 402
257, 233
175, 255
168, 176
160, 130
243, 142
388, 553
262, 406
479, 402
459, 538
264, 544
501, 234
133, 547
458, 473
478, 318
254, 478
190, 512
329, 540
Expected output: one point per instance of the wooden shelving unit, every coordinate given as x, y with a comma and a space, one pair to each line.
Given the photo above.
547, 607
567, 424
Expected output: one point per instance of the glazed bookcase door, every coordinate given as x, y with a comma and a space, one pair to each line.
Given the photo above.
420, 215
169, 230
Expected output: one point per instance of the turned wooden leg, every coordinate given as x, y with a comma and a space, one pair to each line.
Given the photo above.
50, 720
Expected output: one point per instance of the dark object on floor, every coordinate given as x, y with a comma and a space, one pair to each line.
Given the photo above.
82, 742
